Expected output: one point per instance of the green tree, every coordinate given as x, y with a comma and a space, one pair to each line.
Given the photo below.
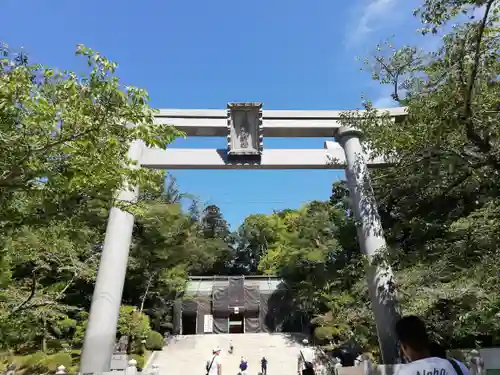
314, 250
440, 201
215, 228
253, 239
65, 135
134, 324
64, 141
213, 223
168, 245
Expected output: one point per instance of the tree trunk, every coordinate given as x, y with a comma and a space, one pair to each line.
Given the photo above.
150, 281
131, 339
44, 335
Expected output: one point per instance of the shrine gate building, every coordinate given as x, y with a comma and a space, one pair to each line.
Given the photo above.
234, 304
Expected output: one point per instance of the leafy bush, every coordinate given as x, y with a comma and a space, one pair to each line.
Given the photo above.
133, 323
52, 362
324, 333
55, 345
154, 341
80, 329
36, 363
140, 360
40, 362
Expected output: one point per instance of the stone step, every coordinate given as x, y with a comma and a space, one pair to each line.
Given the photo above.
188, 354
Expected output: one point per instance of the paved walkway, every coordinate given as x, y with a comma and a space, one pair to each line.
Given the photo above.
187, 355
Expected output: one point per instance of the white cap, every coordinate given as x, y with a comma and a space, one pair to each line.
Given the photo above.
216, 349
305, 341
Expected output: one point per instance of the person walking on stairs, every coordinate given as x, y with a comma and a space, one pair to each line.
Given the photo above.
307, 360
263, 366
418, 350
243, 366
214, 366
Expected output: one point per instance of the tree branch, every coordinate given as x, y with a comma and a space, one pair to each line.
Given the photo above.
30, 296
143, 300
16, 170
394, 76
25, 304
482, 144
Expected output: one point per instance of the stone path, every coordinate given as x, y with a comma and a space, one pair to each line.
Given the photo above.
187, 355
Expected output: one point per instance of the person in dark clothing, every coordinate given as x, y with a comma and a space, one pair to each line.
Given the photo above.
437, 350
263, 366
345, 355
423, 356
243, 366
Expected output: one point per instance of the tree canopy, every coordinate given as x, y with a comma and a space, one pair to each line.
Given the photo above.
440, 202
64, 141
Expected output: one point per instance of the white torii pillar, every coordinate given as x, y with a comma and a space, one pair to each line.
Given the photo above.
100, 335
372, 243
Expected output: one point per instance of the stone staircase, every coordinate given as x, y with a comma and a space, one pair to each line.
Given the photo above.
187, 355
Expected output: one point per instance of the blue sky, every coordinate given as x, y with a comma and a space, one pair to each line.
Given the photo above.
203, 54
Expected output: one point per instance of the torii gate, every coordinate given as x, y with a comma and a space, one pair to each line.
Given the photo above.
245, 125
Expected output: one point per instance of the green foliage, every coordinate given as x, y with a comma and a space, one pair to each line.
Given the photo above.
439, 203
70, 130
306, 251
154, 341
168, 244
314, 250
64, 153
67, 137
140, 360
41, 363
58, 359
36, 362
133, 323
253, 239
325, 333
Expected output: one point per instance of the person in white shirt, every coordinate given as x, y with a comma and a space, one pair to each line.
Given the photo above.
358, 361
214, 366
416, 347
306, 363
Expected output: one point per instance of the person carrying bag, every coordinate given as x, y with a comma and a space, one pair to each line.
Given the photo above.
213, 366
210, 364
308, 366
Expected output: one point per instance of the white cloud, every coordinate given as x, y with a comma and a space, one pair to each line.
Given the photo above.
380, 95
384, 101
373, 15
